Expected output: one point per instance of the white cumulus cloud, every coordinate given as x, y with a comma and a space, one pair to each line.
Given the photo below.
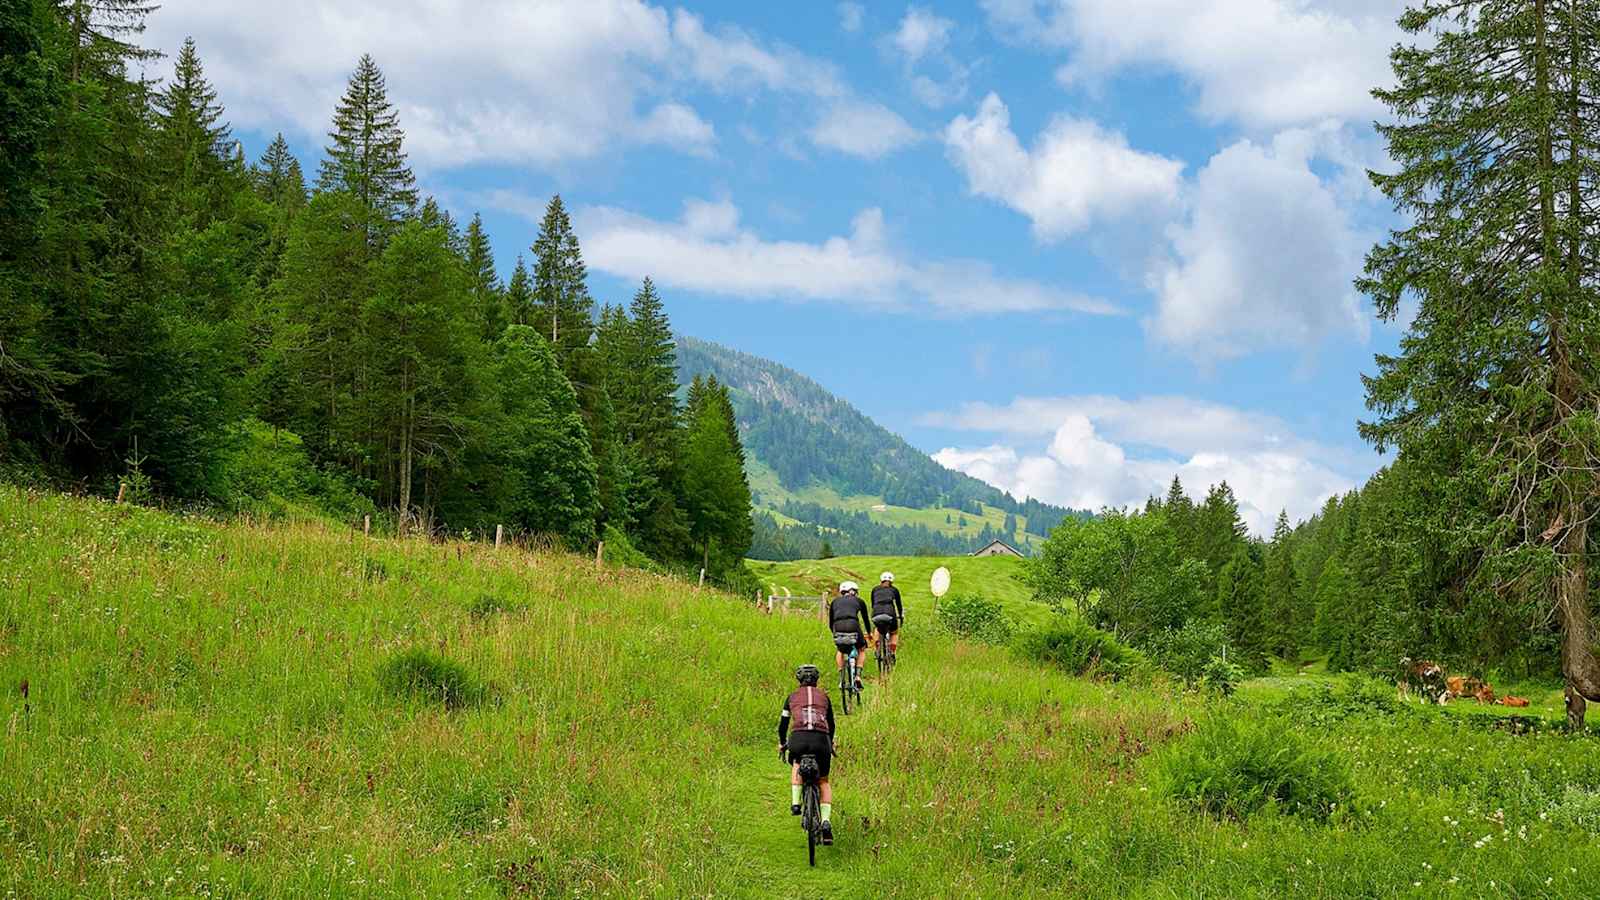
1076, 172
921, 32
544, 83
1264, 63
709, 252
1097, 451
862, 128
1265, 258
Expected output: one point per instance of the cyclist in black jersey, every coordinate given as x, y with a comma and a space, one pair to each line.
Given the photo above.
848, 618
888, 611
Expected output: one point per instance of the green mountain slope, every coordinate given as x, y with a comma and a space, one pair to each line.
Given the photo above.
817, 460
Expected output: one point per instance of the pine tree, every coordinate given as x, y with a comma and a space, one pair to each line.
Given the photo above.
519, 296
488, 295
563, 308
197, 142
1282, 605
278, 178
365, 157
550, 484
1496, 384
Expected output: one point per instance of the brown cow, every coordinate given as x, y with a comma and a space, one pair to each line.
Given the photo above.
1509, 700
1424, 678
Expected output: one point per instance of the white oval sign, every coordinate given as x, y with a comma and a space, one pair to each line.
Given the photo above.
940, 583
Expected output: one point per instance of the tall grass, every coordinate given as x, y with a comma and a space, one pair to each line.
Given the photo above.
212, 710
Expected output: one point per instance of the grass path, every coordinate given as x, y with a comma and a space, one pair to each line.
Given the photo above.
769, 841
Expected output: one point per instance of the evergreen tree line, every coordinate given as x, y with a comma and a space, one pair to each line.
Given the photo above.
185, 321
1363, 583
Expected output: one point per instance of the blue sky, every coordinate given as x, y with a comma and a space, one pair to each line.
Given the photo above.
1069, 246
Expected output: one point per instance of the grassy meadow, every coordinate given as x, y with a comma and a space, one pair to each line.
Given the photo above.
765, 482
293, 710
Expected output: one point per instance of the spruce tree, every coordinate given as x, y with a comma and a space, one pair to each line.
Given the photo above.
563, 308
197, 142
102, 33
418, 340
519, 297
278, 178
1283, 622
365, 157
1495, 387
487, 292
549, 482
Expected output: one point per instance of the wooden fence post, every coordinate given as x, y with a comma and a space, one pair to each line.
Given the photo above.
121, 489
366, 526
702, 578
599, 554
499, 535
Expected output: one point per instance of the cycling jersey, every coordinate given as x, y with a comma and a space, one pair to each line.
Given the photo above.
809, 709
886, 602
848, 615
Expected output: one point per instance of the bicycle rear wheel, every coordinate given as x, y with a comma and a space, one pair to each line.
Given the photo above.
813, 821
844, 687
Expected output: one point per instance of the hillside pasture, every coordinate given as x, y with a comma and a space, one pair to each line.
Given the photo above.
293, 710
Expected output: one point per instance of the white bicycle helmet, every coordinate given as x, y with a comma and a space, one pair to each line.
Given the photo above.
846, 587
887, 576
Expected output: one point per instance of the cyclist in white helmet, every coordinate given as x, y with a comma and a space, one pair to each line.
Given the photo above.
888, 612
848, 618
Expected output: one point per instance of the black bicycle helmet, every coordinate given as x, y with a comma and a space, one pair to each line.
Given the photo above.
807, 675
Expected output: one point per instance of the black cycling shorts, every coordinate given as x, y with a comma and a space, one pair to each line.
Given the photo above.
887, 624
811, 743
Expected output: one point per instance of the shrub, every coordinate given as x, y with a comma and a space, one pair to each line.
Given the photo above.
972, 616
621, 552
1237, 768
428, 676
1332, 702
267, 472
1082, 649
1221, 675
1186, 651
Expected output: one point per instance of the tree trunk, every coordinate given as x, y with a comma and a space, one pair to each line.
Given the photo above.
405, 466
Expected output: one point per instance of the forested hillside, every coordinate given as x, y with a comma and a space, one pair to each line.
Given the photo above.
186, 325
805, 437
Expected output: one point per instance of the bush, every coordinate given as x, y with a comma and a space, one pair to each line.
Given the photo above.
1221, 675
621, 552
1237, 768
971, 616
1079, 648
1187, 651
266, 472
1332, 702
428, 676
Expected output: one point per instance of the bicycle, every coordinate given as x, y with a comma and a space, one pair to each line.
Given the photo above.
849, 674
885, 651
810, 804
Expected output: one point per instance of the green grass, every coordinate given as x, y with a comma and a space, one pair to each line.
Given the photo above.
765, 482
213, 710
997, 578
